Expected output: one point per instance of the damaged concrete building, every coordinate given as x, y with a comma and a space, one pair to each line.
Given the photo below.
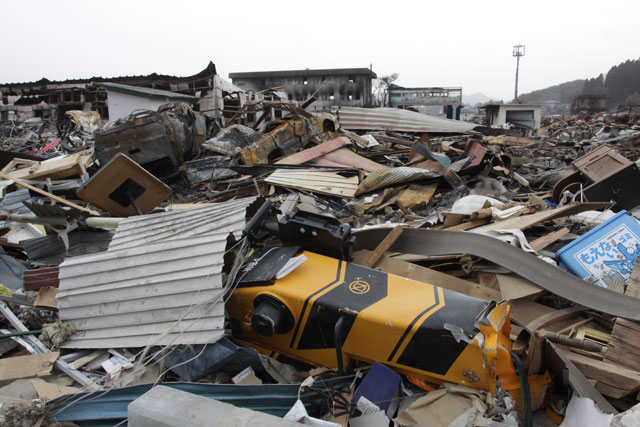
518, 115
590, 104
344, 87
51, 99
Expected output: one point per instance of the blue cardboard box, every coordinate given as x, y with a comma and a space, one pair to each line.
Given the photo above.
607, 252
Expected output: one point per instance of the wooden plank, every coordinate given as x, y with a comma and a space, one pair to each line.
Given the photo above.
567, 373
624, 344
33, 365
49, 391
346, 157
54, 168
611, 391
525, 221
79, 363
314, 152
453, 179
621, 381
383, 247
452, 219
633, 286
403, 208
426, 275
469, 224
550, 238
47, 194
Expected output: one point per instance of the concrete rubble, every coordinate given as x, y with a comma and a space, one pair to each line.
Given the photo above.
241, 258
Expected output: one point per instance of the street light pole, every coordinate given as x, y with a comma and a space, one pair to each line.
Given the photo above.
518, 51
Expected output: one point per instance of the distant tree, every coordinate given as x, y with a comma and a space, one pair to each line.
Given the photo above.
563, 93
622, 80
381, 89
594, 86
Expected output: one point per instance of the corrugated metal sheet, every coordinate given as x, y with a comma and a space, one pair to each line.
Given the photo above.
398, 120
50, 250
13, 202
387, 177
325, 182
161, 271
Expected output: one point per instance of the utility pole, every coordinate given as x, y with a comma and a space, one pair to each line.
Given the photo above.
518, 51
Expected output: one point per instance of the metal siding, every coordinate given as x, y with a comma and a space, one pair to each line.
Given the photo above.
161, 272
398, 120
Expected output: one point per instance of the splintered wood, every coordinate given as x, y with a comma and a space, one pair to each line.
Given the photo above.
624, 345
33, 365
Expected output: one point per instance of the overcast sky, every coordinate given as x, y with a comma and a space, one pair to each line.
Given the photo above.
429, 43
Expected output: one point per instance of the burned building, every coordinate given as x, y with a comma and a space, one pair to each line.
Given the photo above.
51, 99
444, 101
348, 87
590, 104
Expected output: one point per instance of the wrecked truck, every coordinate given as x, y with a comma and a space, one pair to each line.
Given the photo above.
280, 138
160, 140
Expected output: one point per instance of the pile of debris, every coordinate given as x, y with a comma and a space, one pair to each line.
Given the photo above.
358, 268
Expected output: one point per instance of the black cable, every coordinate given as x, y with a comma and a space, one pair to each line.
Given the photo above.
523, 373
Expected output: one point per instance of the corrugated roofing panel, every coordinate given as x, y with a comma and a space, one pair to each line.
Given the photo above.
325, 182
161, 273
109, 407
143, 229
382, 178
50, 250
398, 120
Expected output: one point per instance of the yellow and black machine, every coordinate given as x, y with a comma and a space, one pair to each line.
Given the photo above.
334, 313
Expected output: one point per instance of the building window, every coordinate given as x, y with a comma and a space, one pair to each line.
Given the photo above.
12, 116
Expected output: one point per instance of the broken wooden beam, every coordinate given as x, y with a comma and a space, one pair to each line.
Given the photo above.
383, 247
550, 238
426, 275
47, 194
